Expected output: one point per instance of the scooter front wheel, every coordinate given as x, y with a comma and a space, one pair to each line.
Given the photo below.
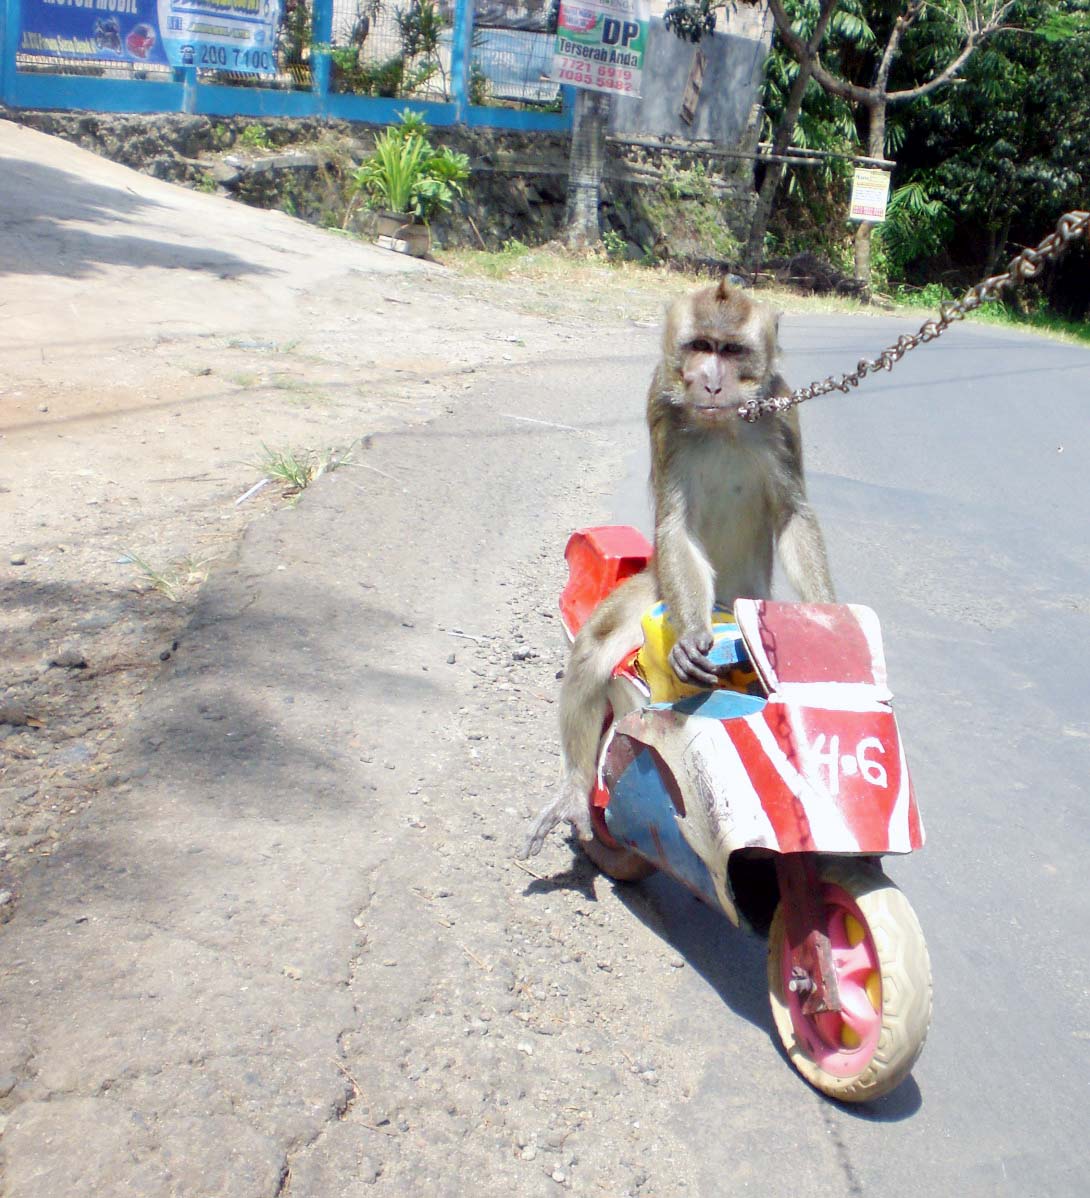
883, 974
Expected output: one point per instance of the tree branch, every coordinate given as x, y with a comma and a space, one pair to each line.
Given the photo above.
900, 27
804, 52
978, 27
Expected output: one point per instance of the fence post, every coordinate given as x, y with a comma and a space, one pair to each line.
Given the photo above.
321, 36
187, 77
461, 49
9, 44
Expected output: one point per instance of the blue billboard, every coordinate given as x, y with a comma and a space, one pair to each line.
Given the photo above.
218, 35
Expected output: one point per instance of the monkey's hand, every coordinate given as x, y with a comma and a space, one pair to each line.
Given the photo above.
566, 806
690, 661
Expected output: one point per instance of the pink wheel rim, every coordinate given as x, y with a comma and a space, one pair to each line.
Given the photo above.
842, 1042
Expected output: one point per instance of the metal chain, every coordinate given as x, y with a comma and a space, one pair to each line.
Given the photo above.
1026, 265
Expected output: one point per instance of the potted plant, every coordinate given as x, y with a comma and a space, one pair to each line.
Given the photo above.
408, 182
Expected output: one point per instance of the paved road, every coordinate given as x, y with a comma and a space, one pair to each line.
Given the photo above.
955, 496
291, 954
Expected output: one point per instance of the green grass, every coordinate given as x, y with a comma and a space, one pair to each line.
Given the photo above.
567, 282
1037, 322
932, 296
175, 579
255, 137
297, 469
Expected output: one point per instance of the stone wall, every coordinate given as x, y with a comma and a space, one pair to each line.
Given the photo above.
676, 203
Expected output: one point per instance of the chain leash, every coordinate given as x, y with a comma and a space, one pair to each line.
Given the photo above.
1026, 265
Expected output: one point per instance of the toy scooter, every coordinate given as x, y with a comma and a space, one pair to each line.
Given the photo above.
772, 798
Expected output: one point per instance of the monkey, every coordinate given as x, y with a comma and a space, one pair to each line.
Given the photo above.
728, 495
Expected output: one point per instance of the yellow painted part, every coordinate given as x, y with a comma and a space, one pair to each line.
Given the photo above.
653, 659
849, 1037
854, 930
874, 989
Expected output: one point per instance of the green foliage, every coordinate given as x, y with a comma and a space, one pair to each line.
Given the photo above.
930, 295
825, 122
418, 60
298, 468
206, 182
391, 78
440, 183
479, 86
691, 22
419, 27
917, 225
294, 34
984, 167
514, 249
406, 174
687, 217
1009, 150
687, 183
615, 245
390, 174
255, 137
412, 124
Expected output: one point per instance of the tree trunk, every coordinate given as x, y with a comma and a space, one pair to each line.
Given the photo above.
876, 147
774, 171
585, 167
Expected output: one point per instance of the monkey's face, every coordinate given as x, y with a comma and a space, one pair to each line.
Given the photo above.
718, 375
722, 345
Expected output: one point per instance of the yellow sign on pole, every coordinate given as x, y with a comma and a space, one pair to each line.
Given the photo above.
870, 194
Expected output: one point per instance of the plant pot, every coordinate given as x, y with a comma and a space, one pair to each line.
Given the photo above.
402, 232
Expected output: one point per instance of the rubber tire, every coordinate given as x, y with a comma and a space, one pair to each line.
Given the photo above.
905, 969
622, 865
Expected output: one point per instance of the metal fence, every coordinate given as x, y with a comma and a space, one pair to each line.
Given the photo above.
474, 62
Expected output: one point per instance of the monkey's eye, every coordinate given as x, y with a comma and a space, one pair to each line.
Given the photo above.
731, 349
700, 346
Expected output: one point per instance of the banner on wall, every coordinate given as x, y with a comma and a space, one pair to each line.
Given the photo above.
216, 35
600, 44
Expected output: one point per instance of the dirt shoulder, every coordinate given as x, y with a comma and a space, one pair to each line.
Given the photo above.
263, 934
158, 341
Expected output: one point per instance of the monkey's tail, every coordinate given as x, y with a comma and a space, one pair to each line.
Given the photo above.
610, 633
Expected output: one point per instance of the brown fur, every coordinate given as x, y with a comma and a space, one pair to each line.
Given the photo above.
726, 494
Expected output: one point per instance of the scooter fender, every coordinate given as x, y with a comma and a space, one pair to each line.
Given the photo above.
830, 779
693, 782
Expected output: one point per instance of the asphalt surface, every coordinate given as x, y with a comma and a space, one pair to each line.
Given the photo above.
954, 495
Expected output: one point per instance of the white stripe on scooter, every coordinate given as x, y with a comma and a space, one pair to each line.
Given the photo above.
835, 696
738, 812
899, 839
827, 826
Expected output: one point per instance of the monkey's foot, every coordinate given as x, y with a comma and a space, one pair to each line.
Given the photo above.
566, 806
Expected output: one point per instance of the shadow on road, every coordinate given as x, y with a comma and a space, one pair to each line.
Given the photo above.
39, 204
729, 960
732, 962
